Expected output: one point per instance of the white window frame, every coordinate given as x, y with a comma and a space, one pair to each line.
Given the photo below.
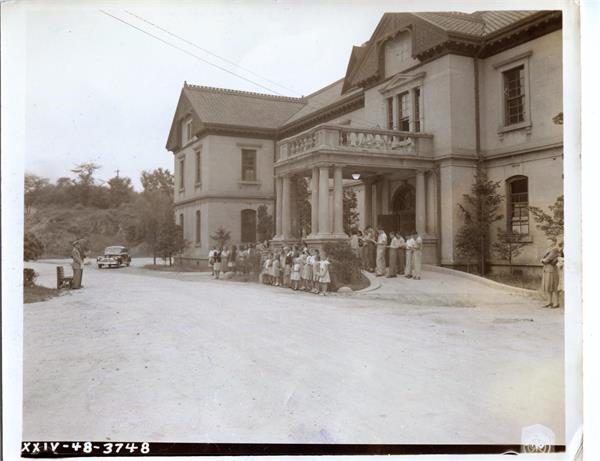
198, 166
505, 66
181, 173
395, 90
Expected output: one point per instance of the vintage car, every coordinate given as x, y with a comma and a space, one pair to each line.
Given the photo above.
115, 256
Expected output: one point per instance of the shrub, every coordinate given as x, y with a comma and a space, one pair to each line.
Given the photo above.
32, 248
29, 276
345, 265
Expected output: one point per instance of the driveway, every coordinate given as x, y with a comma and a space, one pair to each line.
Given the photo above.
150, 356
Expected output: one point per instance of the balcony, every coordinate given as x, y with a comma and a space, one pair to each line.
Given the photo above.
351, 139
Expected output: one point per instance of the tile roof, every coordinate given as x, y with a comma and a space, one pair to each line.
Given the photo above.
242, 108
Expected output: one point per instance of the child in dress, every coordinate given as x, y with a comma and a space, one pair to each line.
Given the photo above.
266, 273
316, 272
307, 271
276, 270
324, 278
295, 276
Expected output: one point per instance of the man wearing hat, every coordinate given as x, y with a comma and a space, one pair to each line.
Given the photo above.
77, 265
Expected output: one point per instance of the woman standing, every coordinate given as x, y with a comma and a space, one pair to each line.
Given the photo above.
550, 275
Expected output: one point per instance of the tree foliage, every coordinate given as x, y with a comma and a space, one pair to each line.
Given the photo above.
158, 180
221, 236
33, 247
480, 210
120, 190
351, 215
34, 190
264, 223
508, 246
303, 209
553, 223
170, 240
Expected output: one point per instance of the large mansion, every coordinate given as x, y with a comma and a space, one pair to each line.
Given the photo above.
425, 99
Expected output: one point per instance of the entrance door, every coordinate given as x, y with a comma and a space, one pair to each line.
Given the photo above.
402, 218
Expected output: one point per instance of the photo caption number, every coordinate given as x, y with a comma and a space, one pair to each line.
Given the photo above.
107, 448
87, 447
145, 448
131, 447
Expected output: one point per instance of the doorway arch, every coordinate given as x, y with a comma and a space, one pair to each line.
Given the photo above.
403, 209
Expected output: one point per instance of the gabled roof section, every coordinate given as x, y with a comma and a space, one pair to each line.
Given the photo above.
221, 107
462, 33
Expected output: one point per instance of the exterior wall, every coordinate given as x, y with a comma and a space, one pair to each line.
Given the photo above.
544, 172
544, 102
221, 195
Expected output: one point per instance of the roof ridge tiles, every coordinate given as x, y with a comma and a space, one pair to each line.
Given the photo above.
213, 89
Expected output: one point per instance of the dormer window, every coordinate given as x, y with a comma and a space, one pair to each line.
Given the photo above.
186, 131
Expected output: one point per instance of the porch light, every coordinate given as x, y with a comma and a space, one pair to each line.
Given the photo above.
355, 175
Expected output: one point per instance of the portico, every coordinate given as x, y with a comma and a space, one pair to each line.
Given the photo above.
393, 169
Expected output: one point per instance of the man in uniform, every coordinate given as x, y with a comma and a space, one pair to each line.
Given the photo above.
77, 265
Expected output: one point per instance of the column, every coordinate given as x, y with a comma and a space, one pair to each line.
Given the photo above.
385, 196
338, 201
324, 227
278, 200
368, 205
430, 203
286, 208
314, 202
420, 202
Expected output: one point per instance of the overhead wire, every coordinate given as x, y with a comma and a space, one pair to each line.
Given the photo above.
308, 103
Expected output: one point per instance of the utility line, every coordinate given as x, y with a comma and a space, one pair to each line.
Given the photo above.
191, 54
228, 61
312, 104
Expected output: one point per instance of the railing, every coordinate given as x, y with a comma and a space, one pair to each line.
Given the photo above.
337, 137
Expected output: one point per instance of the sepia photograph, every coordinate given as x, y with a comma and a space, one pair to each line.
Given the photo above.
294, 228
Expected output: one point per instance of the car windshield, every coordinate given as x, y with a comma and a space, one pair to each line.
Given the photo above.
115, 250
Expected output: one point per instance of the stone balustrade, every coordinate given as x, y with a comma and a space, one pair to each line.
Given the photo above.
335, 137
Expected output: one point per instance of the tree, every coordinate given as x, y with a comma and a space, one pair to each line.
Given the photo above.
158, 180
34, 189
221, 236
85, 180
553, 225
302, 196
264, 223
120, 190
508, 246
350, 207
480, 211
33, 247
170, 240
154, 209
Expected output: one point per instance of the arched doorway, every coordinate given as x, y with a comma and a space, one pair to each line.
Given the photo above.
403, 209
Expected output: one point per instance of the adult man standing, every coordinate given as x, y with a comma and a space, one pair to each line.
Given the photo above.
408, 268
77, 265
417, 256
382, 242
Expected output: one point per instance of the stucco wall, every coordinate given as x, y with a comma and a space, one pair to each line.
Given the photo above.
545, 96
544, 172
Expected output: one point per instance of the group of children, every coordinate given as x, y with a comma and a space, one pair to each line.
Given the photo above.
302, 270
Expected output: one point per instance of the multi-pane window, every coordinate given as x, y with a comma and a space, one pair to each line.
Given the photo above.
518, 191
514, 95
404, 111
417, 99
198, 227
390, 113
186, 131
248, 165
181, 173
198, 167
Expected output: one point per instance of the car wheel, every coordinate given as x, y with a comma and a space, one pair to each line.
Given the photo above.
99, 266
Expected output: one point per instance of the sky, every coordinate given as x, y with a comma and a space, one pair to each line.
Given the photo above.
100, 90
